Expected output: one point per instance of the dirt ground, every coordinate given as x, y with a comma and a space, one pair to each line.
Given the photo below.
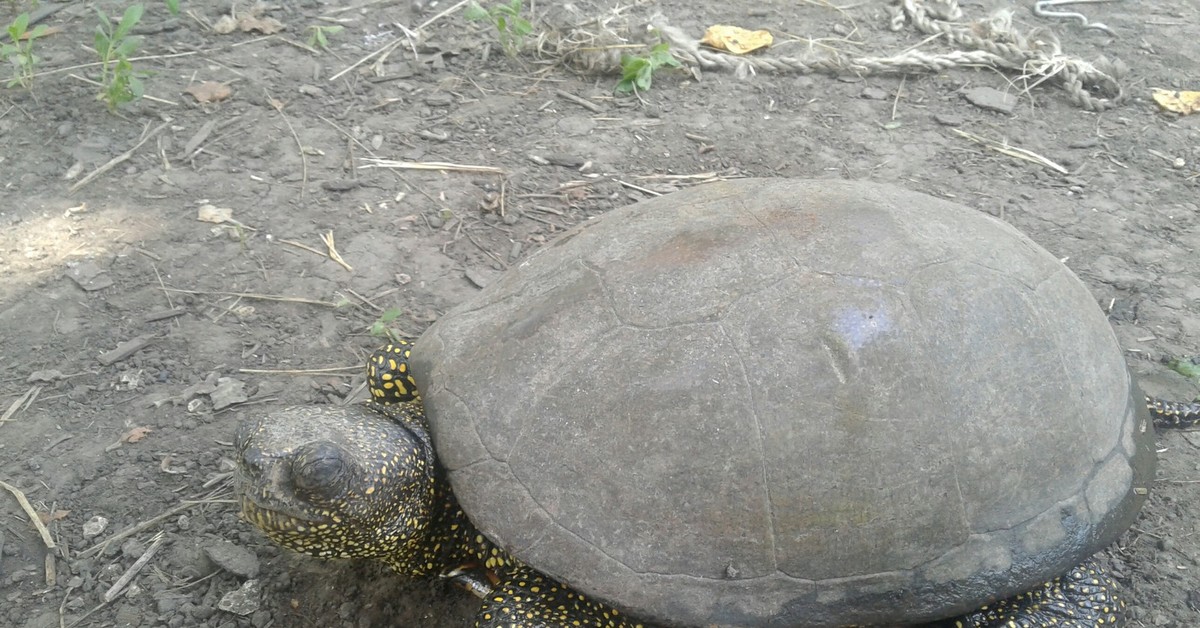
133, 335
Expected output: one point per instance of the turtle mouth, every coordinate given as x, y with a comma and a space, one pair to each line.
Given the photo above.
274, 517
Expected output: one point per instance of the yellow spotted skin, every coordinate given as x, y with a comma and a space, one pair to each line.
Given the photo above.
1173, 414
388, 376
1083, 598
363, 482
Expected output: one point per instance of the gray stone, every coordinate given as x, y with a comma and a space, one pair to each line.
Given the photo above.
235, 559
991, 99
244, 600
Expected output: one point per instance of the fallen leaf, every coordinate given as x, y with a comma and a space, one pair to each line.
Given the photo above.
264, 25
225, 24
136, 434
737, 40
1179, 102
165, 467
246, 23
49, 30
214, 214
209, 91
47, 517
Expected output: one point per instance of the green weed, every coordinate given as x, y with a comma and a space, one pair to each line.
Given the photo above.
20, 51
511, 28
381, 329
1187, 368
121, 83
637, 73
318, 36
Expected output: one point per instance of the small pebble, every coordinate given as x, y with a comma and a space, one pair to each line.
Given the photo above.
946, 119
94, 526
440, 99
235, 559
991, 99
874, 93
243, 601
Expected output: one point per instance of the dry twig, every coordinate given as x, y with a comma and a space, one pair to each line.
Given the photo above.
133, 570
33, 516
112, 163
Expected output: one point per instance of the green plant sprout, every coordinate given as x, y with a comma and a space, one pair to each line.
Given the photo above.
20, 51
637, 73
1187, 368
318, 36
511, 28
380, 328
121, 84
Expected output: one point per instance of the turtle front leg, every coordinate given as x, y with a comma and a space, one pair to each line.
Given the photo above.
524, 598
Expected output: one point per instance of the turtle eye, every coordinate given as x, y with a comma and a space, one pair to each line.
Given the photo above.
320, 469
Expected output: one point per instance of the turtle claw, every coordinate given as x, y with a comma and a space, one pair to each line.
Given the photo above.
474, 579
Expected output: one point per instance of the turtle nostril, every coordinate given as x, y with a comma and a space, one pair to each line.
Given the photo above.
252, 461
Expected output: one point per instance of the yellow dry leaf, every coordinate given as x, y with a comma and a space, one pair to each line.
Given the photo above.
209, 91
47, 517
264, 25
737, 40
135, 434
246, 23
214, 214
1179, 102
225, 24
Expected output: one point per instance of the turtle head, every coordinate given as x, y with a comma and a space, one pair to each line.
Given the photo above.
339, 482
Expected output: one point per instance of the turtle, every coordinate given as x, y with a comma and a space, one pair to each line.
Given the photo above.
925, 411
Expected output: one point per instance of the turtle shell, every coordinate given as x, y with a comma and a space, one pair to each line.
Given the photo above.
789, 402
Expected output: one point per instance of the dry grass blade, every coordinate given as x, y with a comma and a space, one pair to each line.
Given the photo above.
20, 403
256, 295
1013, 151
331, 254
183, 506
428, 165
699, 176
327, 238
133, 570
112, 163
392, 45
321, 371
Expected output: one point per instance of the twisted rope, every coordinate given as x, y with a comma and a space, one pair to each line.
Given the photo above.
992, 42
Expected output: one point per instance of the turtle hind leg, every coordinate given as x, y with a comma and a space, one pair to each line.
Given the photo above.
524, 598
1173, 414
1085, 597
